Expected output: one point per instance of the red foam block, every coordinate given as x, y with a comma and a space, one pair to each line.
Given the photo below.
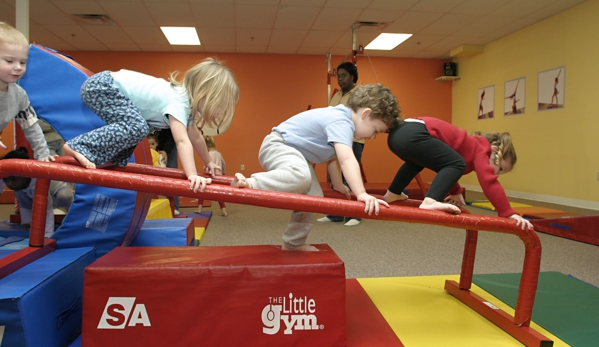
583, 229
215, 296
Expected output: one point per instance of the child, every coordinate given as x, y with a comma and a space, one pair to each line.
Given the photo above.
317, 136
60, 194
425, 142
132, 104
158, 157
14, 50
218, 159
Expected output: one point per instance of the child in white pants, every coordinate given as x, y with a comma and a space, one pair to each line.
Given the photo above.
318, 136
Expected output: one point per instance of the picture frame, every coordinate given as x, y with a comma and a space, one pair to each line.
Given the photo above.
514, 97
551, 92
486, 102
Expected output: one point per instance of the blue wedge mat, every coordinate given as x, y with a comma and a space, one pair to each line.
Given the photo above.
41, 303
100, 217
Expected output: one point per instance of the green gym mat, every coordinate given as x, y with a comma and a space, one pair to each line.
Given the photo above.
565, 306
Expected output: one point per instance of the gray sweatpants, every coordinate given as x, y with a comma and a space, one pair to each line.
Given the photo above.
287, 171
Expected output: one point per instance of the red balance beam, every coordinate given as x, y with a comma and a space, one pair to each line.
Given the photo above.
173, 182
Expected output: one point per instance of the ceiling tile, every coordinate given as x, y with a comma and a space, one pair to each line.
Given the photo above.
379, 16
112, 34
336, 19
146, 35
419, 42
392, 5
254, 16
282, 26
217, 36
321, 38
251, 49
412, 22
171, 14
449, 42
73, 34
296, 17
347, 3
78, 6
214, 15
281, 50
252, 37
442, 6
43, 12
120, 13
287, 38
521, 8
448, 24
484, 25
220, 48
478, 7
317, 3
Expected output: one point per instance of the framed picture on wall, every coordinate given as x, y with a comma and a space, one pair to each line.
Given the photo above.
486, 102
552, 91
514, 97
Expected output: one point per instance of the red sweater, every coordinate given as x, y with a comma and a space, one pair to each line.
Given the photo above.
476, 151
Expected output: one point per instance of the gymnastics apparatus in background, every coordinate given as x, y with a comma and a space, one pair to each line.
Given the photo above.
154, 180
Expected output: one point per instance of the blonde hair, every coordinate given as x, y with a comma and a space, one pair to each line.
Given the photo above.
379, 99
209, 142
505, 147
8, 34
213, 83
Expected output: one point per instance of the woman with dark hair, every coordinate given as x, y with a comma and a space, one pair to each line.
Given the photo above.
347, 77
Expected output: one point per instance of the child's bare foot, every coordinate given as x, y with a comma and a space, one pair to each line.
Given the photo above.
80, 157
432, 204
199, 209
241, 181
390, 197
303, 248
224, 212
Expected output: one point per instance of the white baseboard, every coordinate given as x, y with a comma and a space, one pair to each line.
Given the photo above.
590, 205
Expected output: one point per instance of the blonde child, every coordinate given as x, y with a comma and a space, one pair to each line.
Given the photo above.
426, 142
158, 157
14, 51
132, 104
218, 159
317, 136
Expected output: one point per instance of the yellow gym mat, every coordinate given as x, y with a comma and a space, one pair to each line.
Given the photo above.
422, 313
488, 206
159, 209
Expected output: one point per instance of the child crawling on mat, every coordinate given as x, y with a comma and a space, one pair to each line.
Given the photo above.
317, 136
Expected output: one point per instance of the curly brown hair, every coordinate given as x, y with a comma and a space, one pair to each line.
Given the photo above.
379, 99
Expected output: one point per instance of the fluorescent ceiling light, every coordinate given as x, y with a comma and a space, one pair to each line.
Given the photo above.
181, 35
387, 42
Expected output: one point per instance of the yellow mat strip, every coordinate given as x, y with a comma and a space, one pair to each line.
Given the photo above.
422, 313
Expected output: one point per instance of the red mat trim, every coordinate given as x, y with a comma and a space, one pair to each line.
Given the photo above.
366, 327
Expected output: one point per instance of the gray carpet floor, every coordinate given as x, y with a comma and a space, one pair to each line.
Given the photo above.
377, 248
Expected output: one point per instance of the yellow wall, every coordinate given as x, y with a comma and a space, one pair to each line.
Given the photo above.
558, 150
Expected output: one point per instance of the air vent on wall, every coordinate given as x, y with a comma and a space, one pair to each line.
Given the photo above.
93, 19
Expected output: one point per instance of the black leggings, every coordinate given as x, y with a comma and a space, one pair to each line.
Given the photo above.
414, 145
